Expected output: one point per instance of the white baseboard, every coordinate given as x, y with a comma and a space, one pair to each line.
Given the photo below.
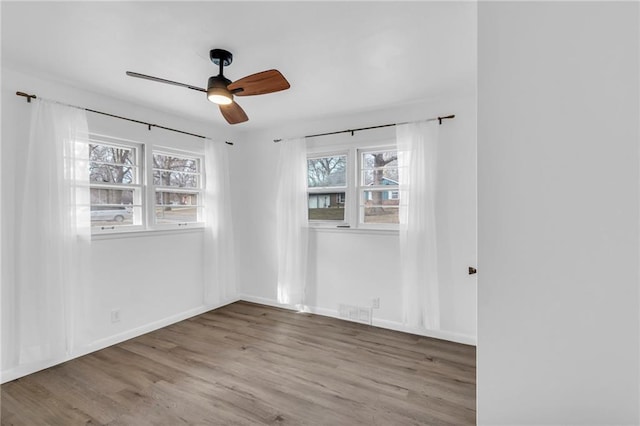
382, 323
139, 331
23, 370
436, 334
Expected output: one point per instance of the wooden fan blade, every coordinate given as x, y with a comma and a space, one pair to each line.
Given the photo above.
233, 113
259, 84
162, 80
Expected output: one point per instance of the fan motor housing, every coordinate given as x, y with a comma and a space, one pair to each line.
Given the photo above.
218, 81
217, 91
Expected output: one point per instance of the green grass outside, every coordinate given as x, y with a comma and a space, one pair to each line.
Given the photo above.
326, 214
379, 215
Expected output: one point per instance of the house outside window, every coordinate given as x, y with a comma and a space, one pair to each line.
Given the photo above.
356, 188
378, 181
327, 183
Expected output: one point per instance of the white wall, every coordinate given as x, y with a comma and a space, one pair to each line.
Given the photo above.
157, 278
351, 266
558, 119
152, 278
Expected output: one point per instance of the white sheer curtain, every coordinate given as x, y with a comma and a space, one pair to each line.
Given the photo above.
292, 223
53, 230
220, 271
417, 159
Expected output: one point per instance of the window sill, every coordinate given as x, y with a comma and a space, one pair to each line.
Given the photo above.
369, 231
146, 233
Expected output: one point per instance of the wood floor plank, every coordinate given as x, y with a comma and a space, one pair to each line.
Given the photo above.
250, 364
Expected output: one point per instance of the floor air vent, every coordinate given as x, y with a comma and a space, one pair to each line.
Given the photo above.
355, 313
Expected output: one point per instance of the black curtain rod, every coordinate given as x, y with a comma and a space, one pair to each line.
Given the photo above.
149, 125
352, 131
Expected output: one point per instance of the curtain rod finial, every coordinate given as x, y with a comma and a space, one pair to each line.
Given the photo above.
26, 95
447, 117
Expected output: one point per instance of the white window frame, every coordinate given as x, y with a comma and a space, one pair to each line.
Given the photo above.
144, 190
362, 189
199, 191
331, 189
138, 187
353, 191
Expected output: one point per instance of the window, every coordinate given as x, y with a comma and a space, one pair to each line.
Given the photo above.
116, 192
378, 187
177, 185
134, 188
356, 187
327, 185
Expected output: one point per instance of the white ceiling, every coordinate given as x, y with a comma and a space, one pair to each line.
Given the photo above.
340, 57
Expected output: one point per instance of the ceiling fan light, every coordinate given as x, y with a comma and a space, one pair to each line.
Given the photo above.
219, 95
217, 91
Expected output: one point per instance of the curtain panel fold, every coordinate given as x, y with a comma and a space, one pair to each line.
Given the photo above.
219, 250
292, 222
417, 160
53, 233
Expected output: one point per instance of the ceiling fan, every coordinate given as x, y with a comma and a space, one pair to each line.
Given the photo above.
221, 90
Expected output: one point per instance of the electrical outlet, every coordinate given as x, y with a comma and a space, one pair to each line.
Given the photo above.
115, 315
375, 303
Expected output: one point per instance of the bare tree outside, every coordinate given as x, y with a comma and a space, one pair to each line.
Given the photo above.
378, 176
327, 172
111, 169
176, 172
111, 165
171, 172
380, 170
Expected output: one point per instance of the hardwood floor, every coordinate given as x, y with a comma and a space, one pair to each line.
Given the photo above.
248, 364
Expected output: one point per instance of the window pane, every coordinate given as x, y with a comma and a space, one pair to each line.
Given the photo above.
110, 215
176, 172
180, 164
327, 171
372, 160
384, 176
112, 196
381, 206
111, 207
173, 214
386, 214
382, 198
106, 173
380, 168
174, 207
328, 206
111, 154
176, 179
176, 199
